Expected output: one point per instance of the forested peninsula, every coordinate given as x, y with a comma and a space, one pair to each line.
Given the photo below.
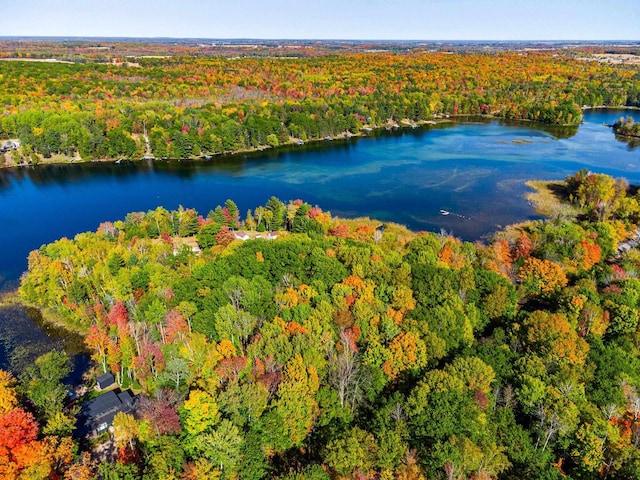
108, 102
291, 344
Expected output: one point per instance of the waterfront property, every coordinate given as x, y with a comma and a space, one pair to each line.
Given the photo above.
8, 145
190, 242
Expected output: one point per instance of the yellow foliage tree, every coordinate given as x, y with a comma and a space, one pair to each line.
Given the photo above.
296, 403
541, 277
8, 399
125, 430
407, 352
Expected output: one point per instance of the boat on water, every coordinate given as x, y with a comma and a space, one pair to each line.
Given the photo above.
444, 212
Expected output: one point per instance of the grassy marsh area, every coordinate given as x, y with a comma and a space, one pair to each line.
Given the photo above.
550, 199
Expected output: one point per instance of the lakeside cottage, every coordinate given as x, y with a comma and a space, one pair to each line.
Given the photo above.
241, 236
630, 243
190, 242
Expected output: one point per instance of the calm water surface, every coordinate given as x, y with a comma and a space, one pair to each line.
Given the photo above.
475, 170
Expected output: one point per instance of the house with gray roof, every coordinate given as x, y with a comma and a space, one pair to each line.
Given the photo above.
97, 414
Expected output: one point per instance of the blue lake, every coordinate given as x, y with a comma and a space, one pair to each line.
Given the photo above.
475, 170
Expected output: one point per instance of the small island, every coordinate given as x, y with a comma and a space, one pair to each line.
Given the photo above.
627, 127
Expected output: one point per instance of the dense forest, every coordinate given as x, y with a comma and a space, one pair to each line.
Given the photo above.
184, 106
339, 348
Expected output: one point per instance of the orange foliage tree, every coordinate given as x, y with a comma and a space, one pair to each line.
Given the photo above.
553, 337
407, 352
21, 455
590, 254
8, 398
541, 277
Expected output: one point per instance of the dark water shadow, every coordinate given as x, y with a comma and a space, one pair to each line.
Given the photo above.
25, 335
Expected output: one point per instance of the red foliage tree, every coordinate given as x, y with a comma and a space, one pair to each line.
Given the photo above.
17, 428
118, 316
149, 362
176, 326
229, 368
225, 236
161, 413
19, 448
166, 238
523, 247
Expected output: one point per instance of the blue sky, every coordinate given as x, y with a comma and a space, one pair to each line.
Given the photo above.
327, 19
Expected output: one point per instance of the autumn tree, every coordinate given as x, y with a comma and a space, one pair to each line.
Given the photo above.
552, 336
84, 469
125, 430
21, 454
8, 395
541, 277
160, 412
296, 405
346, 374
595, 192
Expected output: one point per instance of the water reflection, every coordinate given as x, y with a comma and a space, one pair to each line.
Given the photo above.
555, 131
631, 142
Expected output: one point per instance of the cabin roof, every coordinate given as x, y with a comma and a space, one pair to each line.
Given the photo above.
102, 410
105, 380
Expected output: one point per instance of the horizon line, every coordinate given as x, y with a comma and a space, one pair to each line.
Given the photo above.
284, 39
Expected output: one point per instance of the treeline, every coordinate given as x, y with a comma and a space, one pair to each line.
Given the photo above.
184, 107
354, 349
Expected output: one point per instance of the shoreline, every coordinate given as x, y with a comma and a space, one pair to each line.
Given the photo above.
49, 318
626, 135
344, 136
363, 132
440, 119
605, 107
36, 330
547, 199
